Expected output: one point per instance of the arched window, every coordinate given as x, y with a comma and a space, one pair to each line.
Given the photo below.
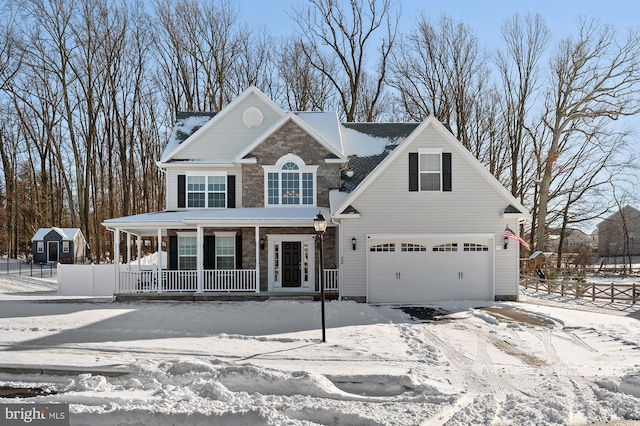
290, 182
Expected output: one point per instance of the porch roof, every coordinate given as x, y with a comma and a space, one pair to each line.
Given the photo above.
149, 223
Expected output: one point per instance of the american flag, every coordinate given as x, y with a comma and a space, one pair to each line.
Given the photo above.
508, 233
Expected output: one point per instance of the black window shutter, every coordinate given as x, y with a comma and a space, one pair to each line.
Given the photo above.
239, 251
446, 171
182, 191
173, 252
231, 191
209, 252
413, 171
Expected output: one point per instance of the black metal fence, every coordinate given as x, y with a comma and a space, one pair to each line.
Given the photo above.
28, 269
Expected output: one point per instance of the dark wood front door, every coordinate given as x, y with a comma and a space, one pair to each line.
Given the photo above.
291, 264
53, 251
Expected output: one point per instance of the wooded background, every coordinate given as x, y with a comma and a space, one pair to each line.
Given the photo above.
89, 90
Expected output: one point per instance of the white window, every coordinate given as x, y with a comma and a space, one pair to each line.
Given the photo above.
187, 252
430, 171
65, 246
40, 246
207, 191
290, 182
225, 251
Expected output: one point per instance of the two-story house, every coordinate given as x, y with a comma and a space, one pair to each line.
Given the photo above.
412, 215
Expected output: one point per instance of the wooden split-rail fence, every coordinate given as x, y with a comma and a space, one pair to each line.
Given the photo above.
621, 293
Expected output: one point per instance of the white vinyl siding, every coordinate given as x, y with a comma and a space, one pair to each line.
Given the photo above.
230, 135
475, 207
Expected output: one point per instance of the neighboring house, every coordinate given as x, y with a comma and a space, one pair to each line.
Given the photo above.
64, 245
615, 229
412, 216
574, 240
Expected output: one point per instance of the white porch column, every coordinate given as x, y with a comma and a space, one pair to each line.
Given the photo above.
257, 259
159, 263
128, 250
200, 259
139, 245
116, 255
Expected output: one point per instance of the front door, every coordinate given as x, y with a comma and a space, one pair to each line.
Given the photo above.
53, 251
291, 264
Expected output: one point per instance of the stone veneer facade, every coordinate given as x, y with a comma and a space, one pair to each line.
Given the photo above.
289, 139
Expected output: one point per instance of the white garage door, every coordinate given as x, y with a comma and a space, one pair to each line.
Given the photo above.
409, 270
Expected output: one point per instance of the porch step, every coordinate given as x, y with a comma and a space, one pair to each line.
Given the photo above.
221, 297
296, 297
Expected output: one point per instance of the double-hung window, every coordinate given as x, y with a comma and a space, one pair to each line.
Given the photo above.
430, 171
225, 251
290, 182
187, 252
207, 191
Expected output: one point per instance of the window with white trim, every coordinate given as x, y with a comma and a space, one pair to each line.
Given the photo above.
290, 182
65, 246
225, 251
187, 252
209, 191
430, 170
40, 246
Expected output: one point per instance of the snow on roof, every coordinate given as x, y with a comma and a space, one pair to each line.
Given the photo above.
65, 233
187, 123
369, 139
257, 215
326, 124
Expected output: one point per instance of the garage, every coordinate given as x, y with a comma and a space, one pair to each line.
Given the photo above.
411, 269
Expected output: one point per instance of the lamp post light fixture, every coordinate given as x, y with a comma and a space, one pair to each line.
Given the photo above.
320, 225
353, 243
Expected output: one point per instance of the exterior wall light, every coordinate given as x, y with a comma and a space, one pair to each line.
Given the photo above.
353, 243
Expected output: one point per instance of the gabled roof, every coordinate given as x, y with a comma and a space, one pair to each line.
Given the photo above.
293, 117
252, 90
367, 144
431, 121
187, 123
67, 234
627, 211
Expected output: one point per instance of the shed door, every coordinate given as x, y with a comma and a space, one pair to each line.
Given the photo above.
406, 270
52, 250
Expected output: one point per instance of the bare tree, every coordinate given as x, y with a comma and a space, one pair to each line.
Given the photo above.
594, 78
304, 87
526, 40
440, 69
336, 41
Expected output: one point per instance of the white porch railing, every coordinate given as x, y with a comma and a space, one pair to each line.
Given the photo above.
146, 281
331, 279
230, 280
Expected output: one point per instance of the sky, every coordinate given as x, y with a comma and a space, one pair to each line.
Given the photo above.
485, 17
544, 361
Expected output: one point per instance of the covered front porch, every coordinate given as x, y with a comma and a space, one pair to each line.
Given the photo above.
224, 251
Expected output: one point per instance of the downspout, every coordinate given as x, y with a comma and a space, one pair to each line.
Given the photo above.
340, 256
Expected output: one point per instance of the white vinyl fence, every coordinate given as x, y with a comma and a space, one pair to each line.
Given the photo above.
86, 280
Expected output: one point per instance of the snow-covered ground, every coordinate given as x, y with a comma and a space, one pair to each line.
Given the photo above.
538, 362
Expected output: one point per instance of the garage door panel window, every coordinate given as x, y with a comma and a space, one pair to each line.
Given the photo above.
446, 247
475, 247
413, 247
386, 247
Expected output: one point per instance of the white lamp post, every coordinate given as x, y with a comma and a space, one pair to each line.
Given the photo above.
320, 224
